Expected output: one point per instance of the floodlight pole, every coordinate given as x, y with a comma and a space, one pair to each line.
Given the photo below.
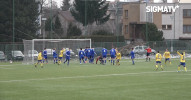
117, 27
51, 20
85, 17
13, 28
146, 26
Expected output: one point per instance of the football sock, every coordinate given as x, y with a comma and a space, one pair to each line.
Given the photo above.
178, 68
41, 64
156, 67
161, 67
185, 69
68, 62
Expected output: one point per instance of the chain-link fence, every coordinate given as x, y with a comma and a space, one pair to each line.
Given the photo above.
123, 47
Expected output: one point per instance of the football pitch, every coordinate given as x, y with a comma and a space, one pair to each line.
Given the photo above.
95, 81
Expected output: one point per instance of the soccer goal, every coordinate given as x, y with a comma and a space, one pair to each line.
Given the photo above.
33, 47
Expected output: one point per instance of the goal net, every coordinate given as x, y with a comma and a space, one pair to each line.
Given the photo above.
33, 47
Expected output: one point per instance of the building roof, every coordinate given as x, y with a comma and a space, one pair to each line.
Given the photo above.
67, 15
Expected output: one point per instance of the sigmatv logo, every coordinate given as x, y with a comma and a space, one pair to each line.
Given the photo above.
161, 8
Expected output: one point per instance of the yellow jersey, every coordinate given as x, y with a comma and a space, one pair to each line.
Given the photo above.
158, 57
182, 57
40, 56
166, 54
61, 53
118, 56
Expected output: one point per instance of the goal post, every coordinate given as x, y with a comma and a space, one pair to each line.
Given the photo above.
33, 47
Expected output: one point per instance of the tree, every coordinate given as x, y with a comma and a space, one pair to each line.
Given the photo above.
66, 5
90, 11
57, 23
48, 25
26, 20
153, 33
58, 26
73, 30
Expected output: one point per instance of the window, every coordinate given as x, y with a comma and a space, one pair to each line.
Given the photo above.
126, 13
167, 27
186, 12
186, 28
149, 17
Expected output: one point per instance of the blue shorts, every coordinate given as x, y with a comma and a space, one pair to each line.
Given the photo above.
167, 59
112, 56
88, 56
81, 57
55, 57
183, 64
132, 57
104, 56
67, 58
59, 57
45, 57
158, 62
40, 61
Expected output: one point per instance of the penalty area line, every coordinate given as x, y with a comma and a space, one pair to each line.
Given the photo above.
71, 77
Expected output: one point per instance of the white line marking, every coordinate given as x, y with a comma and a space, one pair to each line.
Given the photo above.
107, 75
5, 68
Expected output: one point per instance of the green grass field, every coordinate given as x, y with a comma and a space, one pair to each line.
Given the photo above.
95, 82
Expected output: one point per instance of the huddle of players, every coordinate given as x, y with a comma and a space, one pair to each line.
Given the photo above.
166, 55
88, 54
57, 58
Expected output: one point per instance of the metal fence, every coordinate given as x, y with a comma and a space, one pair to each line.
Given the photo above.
172, 46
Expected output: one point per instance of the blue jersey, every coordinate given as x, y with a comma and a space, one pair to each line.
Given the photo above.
112, 52
54, 54
89, 51
85, 51
92, 53
81, 53
132, 54
68, 54
104, 52
45, 53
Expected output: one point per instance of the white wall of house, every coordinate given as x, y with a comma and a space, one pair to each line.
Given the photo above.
174, 19
180, 25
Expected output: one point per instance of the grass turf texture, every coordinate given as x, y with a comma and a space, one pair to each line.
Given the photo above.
95, 82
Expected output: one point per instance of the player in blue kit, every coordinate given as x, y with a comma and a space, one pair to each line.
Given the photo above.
89, 54
104, 54
113, 53
93, 53
45, 56
85, 51
67, 57
55, 56
132, 54
81, 55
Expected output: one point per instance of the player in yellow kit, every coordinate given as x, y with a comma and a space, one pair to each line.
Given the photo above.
158, 60
118, 57
39, 60
166, 55
182, 61
61, 56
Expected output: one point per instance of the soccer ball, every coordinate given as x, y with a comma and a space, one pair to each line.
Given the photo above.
11, 61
